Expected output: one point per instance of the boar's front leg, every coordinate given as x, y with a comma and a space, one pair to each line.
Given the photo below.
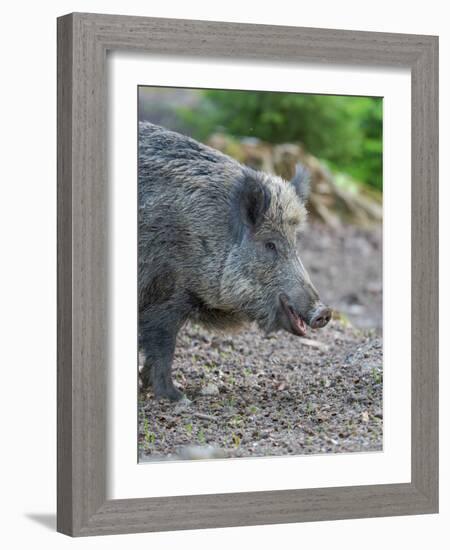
158, 329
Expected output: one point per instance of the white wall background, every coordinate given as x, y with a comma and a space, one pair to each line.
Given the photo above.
28, 271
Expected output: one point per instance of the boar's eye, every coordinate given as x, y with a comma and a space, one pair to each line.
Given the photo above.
270, 246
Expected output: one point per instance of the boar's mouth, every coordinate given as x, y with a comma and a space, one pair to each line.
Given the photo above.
296, 323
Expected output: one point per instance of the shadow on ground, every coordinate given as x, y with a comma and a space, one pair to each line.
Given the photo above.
46, 520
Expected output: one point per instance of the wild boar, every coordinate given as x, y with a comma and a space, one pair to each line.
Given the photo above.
217, 244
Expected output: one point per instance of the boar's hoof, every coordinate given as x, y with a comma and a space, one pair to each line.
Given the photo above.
172, 393
144, 380
163, 389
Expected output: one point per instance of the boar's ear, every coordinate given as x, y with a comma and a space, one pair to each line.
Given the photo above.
301, 182
251, 199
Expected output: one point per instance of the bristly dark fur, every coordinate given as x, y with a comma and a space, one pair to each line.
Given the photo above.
250, 201
204, 223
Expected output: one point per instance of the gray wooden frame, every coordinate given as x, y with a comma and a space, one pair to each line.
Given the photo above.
83, 41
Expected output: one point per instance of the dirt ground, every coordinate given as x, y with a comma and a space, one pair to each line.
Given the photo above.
258, 395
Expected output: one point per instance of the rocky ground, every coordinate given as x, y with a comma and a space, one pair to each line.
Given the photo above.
257, 395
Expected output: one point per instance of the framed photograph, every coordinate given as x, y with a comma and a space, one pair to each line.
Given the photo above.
247, 274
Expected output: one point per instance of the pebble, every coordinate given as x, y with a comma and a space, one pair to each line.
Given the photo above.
210, 389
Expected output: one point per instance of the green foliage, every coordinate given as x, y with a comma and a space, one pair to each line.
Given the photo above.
149, 436
344, 131
377, 375
236, 438
201, 437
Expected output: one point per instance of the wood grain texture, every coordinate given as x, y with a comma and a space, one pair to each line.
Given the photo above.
425, 272
83, 41
82, 269
64, 276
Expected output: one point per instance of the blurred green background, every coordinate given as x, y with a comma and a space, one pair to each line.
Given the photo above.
344, 132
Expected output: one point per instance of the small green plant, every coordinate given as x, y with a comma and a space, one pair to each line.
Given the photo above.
236, 420
377, 375
236, 440
189, 428
149, 436
201, 437
343, 319
145, 426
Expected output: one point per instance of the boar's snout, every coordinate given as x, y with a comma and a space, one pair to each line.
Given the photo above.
320, 317
295, 322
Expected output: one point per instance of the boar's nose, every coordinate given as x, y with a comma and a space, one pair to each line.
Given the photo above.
321, 317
